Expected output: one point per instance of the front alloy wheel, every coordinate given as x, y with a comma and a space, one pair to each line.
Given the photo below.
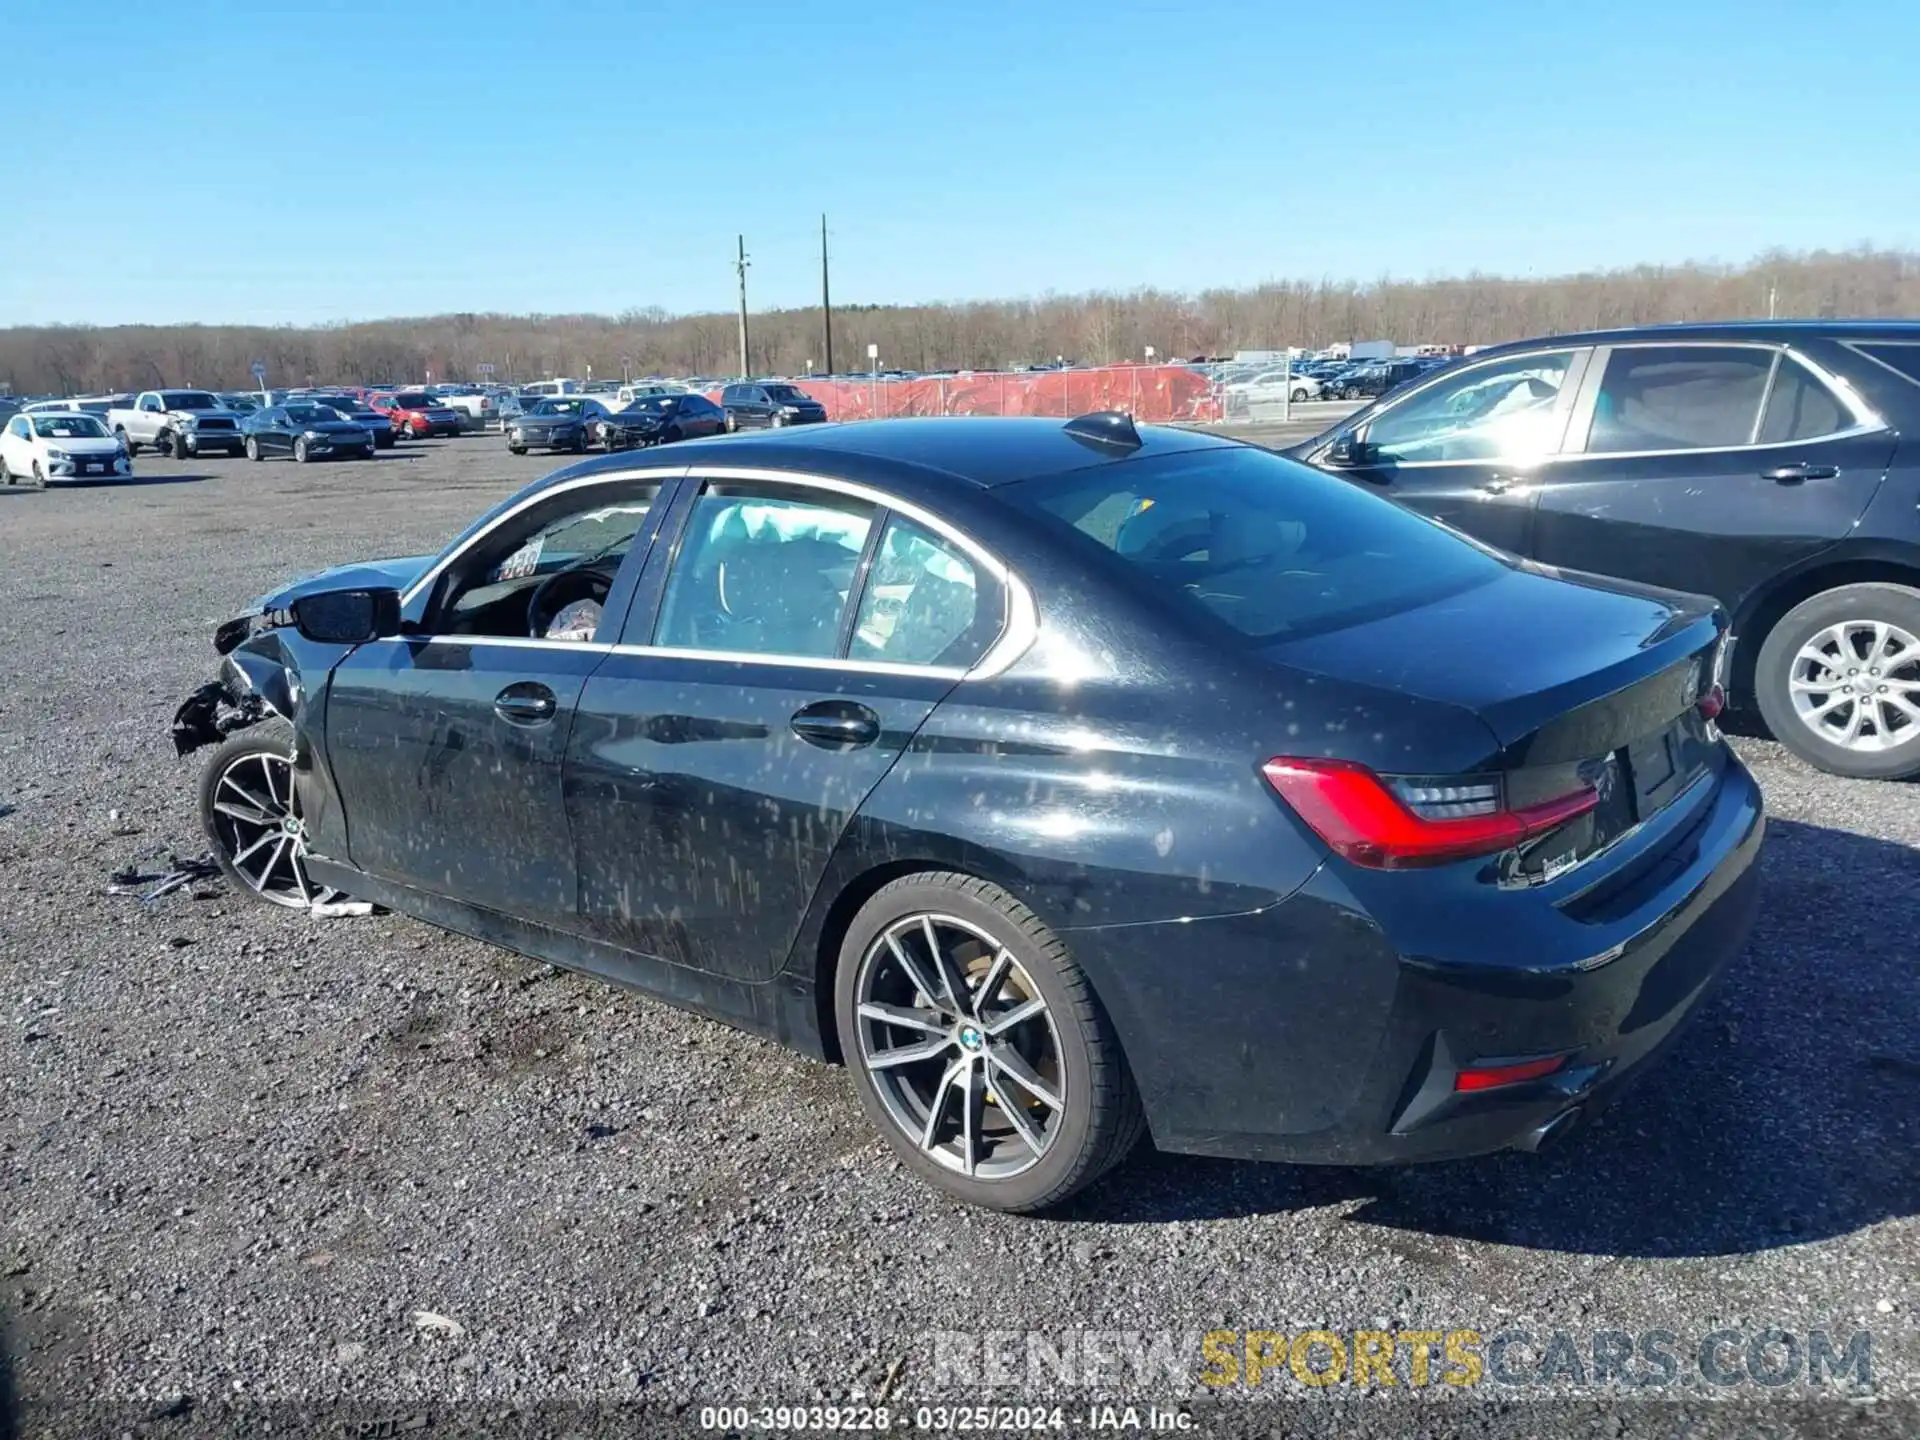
977, 1046
252, 817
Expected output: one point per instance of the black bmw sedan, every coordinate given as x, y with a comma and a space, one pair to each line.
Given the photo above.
661, 420
1067, 782
306, 432
559, 422
1769, 465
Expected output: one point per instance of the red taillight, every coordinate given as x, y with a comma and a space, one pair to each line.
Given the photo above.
1355, 812
1713, 702
1492, 1077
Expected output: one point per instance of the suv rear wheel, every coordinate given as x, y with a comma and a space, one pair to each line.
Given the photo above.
1838, 681
977, 1046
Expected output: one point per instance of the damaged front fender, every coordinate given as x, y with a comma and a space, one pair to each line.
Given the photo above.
258, 678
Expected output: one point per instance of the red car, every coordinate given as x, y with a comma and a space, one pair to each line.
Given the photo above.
416, 414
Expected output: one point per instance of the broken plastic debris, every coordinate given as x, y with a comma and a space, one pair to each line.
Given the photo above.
150, 886
338, 909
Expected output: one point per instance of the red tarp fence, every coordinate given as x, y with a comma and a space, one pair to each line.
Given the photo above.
1156, 393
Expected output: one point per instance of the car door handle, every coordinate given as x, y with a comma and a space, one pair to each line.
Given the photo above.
1794, 474
836, 724
526, 703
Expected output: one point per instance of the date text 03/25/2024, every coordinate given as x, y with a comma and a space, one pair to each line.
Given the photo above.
939, 1419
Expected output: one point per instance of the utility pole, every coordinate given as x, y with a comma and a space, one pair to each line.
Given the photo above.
741, 266
826, 302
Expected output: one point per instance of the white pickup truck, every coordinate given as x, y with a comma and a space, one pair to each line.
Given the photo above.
179, 423
477, 408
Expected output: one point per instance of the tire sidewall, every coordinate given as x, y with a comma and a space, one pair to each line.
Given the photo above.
1896, 604
1063, 1157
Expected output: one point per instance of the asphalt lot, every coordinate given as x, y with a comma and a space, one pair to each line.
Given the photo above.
240, 1150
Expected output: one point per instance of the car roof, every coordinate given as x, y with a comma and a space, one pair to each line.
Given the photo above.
1778, 331
975, 451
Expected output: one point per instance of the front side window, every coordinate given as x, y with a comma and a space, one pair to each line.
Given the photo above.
1271, 548
764, 571
1679, 397
1506, 410
921, 605
545, 572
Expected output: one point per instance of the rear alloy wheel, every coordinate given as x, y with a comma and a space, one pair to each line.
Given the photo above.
251, 816
1838, 681
977, 1046
253, 448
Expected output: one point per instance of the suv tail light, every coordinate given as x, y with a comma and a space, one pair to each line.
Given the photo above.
1399, 823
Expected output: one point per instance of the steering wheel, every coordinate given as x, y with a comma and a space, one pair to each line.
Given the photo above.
559, 590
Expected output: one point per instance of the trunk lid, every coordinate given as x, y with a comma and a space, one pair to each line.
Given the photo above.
1585, 683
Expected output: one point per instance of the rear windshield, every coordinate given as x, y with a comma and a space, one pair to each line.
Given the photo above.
1271, 547
414, 400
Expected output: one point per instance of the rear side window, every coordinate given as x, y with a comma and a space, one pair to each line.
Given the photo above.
922, 603
1272, 548
1679, 397
1903, 358
764, 571
1799, 407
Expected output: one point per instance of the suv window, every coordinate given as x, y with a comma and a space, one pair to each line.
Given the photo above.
764, 570
1679, 397
1903, 358
733, 394
1507, 409
1271, 547
921, 605
1799, 407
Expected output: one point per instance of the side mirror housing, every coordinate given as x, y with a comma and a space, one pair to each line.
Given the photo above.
1348, 452
347, 617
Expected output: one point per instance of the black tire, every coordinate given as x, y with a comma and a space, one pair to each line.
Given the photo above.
126, 440
516, 449
1100, 1120
300, 452
164, 443
579, 446
671, 434
184, 446
1299, 397
1896, 606
253, 449
6, 475
39, 477
271, 739
732, 424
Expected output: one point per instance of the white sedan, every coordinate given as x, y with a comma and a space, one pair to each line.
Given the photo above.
59, 445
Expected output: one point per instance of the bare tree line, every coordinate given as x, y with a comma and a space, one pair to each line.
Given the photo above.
1091, 328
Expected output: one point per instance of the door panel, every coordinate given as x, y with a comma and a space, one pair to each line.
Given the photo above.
448, 755
702, 817
1688, 474
1709, 521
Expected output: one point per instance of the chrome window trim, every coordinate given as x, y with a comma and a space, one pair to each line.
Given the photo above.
1019, 629
663, 473
1579, 366
1866, 420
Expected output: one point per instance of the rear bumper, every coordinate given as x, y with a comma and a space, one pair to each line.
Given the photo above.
1299, 1033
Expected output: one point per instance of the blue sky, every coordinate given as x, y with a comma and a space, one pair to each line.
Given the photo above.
226, 161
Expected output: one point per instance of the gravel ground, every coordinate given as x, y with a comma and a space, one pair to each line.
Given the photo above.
247, 1157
